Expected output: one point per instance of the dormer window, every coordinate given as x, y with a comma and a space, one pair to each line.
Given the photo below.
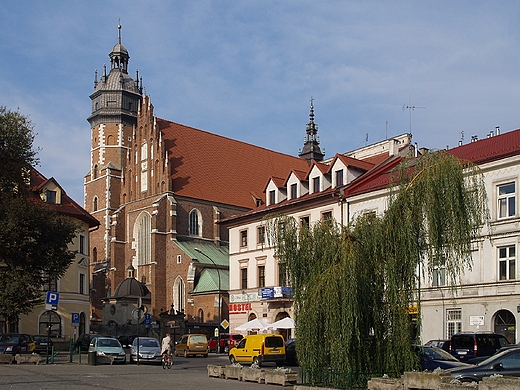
272, 197
50, 197
294, 191
316, 184
339, 178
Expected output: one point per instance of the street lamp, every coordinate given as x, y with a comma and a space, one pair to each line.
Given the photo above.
218, 273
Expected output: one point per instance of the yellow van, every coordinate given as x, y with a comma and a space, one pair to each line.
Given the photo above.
258, 349
191, 345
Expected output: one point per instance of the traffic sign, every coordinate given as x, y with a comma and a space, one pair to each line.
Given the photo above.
51, 301
75, 318
224, 324
147, 319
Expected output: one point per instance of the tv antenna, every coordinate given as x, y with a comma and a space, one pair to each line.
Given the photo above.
411, 108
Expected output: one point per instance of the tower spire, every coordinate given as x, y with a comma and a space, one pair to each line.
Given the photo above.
311, 148
119, 31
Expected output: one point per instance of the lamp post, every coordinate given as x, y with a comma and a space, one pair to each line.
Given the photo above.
218, 273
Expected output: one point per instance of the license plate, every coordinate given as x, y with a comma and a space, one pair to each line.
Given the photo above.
462, 353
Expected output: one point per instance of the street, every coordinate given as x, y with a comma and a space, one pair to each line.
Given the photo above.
186, 373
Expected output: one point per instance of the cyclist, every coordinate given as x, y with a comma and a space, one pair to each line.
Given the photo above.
166, 347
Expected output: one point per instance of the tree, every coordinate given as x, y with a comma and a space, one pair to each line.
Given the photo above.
353, 285
34, 238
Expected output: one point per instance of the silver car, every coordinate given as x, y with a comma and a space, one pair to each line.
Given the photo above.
108, 348
148, 348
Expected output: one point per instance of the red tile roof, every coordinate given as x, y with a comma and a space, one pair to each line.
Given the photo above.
490, 149
219, 169
67, 207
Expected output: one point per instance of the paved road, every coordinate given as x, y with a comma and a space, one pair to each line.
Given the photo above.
186, 373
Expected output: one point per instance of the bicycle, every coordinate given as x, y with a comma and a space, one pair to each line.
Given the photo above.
167, 360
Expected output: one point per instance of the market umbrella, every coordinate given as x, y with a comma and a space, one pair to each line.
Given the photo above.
254, 324
284, 323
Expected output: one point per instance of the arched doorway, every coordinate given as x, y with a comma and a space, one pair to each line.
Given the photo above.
505, 323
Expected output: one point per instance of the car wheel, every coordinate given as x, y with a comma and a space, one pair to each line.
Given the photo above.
226, 349
279, 364
232, 359
205, 355
185, 354
256, 360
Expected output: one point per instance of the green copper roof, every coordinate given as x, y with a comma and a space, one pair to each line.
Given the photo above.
208, 281
219, 254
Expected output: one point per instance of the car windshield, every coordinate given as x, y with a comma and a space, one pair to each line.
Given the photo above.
493, 358
199, 339
435, 353
8, 338
108, 343
148, 343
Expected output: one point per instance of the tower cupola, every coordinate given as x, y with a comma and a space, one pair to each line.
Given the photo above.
311, 142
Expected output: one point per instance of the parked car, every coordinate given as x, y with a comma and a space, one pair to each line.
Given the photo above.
147, 348
506, 363
108, 347
227, 341
468, 346
126, 341
16, 343
431, 358
192, 345
258, 349
290, 353
84, 340
442, 344
41, 342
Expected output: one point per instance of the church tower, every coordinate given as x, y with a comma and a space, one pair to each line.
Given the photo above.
311, 148
115, 103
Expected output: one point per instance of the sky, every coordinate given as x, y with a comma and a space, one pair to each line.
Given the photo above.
248, 69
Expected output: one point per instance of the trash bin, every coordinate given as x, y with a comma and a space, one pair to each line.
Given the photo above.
92, 358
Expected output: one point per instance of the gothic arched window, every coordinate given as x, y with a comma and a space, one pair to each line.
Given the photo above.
143, 239
179, 291
195, 223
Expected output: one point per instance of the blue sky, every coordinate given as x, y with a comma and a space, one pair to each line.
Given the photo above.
247, 69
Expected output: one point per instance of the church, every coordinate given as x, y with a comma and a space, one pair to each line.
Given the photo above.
159, 189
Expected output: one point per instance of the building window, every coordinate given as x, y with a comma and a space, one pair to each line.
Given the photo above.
50, 284
55, 322
178, 294
195, 226
439, 274
201, 316
82, 284
82, 244
305, 221
294, 191
50, 197
143, 239
261, 276
316, 184
326, 216
243, 238
506, 200
272, 197
339, 178
243, 278
179, 259
453, 322
507, 263
95, 203
261, 235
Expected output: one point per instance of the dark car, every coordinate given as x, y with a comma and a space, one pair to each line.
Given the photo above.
468, 346
431, 358
290, 353
227, 341
16, 343
126, 341
506, 363
442, 344
84, 341
41, 342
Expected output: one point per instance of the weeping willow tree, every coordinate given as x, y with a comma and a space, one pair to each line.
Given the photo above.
353, 285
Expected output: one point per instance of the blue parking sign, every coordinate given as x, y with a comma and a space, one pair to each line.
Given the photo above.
75, 318
52, 298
